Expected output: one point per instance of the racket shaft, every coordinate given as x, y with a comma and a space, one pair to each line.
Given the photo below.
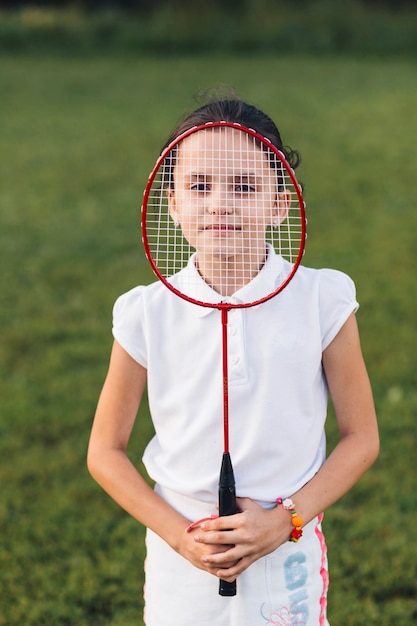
227, 506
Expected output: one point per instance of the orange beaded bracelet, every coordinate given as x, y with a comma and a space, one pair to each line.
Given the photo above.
296, 520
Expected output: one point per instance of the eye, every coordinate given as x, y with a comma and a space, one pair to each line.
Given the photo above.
245, 188
245, 184
200, 187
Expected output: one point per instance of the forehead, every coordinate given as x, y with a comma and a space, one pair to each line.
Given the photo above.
222, 147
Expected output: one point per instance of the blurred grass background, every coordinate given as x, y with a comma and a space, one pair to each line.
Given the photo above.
80, 132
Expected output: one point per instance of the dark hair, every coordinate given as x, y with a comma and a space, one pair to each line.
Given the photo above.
239, 112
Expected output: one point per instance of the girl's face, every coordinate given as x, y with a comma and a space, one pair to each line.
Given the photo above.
225, 193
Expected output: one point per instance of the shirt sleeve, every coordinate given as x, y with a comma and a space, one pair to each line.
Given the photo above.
337, 302
128, 324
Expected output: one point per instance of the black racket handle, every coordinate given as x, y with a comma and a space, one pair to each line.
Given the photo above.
227, 506
227, 589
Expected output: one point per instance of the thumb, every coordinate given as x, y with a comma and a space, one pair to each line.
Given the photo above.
246, 504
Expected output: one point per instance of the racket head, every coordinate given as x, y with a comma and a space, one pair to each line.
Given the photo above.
224, 195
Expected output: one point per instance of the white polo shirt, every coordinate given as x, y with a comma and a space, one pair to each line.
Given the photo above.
277, 389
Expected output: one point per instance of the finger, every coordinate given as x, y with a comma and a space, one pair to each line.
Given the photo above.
227, 578
228, 522
232, 572
227, 557
225, 538
217, 561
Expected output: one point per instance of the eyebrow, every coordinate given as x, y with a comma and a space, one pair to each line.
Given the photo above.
195, 176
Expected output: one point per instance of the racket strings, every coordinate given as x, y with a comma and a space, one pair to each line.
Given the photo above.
222, 194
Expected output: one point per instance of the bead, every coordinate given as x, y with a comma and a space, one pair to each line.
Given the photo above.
295, 535
296, 520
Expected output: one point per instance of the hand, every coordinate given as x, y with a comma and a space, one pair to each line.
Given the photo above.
239, 540
198, 553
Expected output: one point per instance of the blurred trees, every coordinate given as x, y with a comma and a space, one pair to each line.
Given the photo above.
148, 6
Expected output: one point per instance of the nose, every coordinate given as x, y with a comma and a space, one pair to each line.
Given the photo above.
219, 202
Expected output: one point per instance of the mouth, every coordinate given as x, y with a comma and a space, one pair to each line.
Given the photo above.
222, 227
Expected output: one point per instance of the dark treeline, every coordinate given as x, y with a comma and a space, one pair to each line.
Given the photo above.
150, 6
361, 27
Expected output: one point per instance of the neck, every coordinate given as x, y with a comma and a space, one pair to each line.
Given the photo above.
227, 274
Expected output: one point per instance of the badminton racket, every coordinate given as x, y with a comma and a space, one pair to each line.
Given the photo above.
221, 203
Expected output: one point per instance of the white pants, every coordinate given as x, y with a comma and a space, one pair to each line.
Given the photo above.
286, 588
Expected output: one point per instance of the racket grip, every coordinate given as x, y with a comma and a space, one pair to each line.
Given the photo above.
227, 506
227, 589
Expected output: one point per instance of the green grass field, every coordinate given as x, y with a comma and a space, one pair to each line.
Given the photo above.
78, 138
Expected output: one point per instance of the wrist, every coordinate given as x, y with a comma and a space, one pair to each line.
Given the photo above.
297, 522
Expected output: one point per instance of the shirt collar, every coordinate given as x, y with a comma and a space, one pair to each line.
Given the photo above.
265, 282
191, 283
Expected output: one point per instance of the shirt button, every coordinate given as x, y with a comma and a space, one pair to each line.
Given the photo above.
235, 360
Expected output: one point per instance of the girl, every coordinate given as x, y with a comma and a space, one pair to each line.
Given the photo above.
289, 354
